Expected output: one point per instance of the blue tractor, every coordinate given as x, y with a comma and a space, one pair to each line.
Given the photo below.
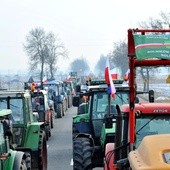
55, 93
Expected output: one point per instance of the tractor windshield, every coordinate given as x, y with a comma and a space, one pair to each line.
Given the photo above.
150, 125
100, 103
16, 106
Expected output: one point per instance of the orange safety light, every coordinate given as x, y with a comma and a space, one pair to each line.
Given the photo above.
32, 87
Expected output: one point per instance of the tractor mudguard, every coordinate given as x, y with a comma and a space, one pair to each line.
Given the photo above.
9, 162
14, 161
33, 135
82, 117
81, 123
18, 160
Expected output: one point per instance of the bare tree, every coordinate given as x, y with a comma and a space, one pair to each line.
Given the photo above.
119, 56
44, 51
157, 23
55, 50
35, 48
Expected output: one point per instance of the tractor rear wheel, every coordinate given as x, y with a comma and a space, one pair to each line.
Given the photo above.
63, 108
82, 154
52, 120
59, 110
42, 163
47, 132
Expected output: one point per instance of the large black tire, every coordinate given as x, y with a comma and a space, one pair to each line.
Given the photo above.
59, 110
47, 132
67, 103
42, 149
63, 108
52, 120
82, 154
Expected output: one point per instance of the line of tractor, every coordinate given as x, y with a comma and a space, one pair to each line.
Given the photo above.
124, 132
26, 122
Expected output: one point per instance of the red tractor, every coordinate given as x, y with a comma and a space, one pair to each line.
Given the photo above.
143, 129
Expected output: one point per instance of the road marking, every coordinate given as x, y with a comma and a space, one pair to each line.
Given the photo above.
71, 162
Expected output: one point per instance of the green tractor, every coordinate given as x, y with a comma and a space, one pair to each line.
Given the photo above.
28, 134
10, 159
68, 86
94, 128
41, 106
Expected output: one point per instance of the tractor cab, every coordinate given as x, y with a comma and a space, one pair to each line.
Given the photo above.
24, 127
56, 94
97, 123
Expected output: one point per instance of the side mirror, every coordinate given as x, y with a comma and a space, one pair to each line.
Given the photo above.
78, 89
76, 101
151, 96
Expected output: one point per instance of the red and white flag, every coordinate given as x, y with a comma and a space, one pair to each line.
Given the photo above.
69, 78
108, 79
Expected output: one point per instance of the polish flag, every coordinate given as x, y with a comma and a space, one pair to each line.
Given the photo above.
69, 78
108, 79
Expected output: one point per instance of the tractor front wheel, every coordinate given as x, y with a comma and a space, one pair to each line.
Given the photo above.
82, 154
59, 110
47, 132
52, 120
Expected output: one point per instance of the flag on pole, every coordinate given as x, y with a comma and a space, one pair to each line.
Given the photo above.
108, 79
69, 78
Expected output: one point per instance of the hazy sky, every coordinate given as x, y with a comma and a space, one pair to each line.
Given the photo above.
88, 28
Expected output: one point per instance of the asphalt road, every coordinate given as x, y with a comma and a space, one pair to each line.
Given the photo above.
60, 143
